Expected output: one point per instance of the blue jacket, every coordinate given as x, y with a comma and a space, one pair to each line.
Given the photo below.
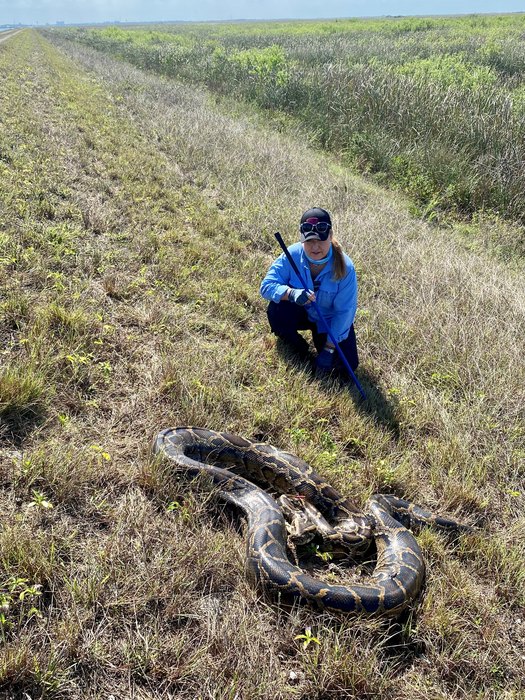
337, 300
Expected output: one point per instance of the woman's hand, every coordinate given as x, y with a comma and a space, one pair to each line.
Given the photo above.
300, 296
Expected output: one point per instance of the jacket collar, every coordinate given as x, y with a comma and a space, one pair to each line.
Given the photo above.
305, 263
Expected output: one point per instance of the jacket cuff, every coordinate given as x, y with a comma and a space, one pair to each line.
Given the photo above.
339, 336
278, 292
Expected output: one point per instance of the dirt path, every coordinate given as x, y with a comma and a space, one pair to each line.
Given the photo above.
3, 38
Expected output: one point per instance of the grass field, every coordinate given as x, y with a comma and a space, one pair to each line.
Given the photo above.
136, 222
433, 107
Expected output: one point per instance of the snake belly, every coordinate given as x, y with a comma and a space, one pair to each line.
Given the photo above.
400, 568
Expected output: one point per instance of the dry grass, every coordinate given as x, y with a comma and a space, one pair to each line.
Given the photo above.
137, 221
433, 107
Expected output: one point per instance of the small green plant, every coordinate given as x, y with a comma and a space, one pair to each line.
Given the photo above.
15, 591
299, 435
101, 454
307, 637
77, 359
314, 550
40, 501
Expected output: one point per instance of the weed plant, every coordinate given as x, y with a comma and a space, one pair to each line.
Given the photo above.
434, 107
136, 222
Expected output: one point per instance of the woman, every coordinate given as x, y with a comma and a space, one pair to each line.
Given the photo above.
331, 279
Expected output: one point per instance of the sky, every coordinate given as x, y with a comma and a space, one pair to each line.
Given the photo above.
84, 11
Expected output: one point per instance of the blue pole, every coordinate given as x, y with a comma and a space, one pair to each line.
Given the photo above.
316, 307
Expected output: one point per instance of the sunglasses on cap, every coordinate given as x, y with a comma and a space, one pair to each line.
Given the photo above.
322, 228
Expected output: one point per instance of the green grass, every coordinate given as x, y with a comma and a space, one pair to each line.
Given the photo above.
22, 392
433, 107
136, 222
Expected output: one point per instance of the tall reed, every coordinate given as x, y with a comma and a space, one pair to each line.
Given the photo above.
434, 107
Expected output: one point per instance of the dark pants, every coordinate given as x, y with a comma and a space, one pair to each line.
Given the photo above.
286, 318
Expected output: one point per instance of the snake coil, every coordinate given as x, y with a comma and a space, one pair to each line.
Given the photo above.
400, 568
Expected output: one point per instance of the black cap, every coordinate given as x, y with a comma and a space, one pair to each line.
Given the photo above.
314, 216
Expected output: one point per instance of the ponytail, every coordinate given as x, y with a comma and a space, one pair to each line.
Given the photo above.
339, 263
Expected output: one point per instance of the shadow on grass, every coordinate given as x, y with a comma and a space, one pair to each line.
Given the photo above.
16, 427
377, 405
286, 352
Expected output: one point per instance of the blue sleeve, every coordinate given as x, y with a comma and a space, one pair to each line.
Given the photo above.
277, 280
345, 304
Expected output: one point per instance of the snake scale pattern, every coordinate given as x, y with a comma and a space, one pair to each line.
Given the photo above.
228, 459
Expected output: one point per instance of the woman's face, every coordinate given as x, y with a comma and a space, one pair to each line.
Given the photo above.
317, 250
